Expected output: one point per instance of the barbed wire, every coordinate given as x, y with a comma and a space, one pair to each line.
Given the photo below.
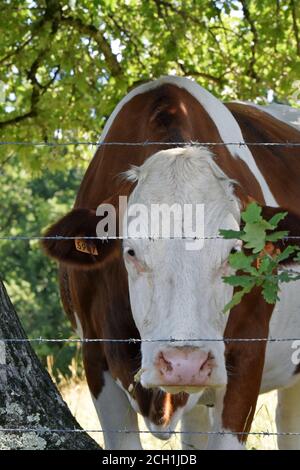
143, 340
106, 238
131, 431
147, 143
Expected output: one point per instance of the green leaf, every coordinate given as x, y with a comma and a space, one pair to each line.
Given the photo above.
274, 221
255, 236
267, 264
237, 297
240, 281
252, 213
228, 234
241, 261
270, 291
288, 251
273, 237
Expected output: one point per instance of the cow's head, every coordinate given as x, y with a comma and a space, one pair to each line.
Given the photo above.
176, 291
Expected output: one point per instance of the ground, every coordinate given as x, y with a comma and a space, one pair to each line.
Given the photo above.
77, 396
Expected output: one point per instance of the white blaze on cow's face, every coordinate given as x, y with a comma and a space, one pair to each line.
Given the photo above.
176, 292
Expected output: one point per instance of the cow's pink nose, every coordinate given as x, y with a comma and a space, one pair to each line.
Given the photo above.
184, 366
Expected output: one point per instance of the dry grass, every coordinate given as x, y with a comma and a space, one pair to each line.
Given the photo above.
76, 394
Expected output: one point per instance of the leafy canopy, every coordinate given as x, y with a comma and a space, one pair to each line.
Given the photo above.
64, 64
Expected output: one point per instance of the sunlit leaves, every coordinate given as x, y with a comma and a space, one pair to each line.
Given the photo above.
209, 41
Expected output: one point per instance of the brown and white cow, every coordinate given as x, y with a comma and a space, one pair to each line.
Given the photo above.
159, 289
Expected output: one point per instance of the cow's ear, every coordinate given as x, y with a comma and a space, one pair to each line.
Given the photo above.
76, 251
290, 223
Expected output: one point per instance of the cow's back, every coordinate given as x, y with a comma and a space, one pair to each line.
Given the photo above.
280, 165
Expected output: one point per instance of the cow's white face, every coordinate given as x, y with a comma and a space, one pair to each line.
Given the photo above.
176, 292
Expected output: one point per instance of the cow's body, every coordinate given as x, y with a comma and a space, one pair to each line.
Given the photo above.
97, 300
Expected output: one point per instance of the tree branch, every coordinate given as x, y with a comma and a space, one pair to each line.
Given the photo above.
52, 14
295, 26
17, 119
254, 43
104, 46
187, 17
196, 73
17, 50
133, 40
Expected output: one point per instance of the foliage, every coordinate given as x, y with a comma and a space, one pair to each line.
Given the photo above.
257, 266
66, 63
27, 206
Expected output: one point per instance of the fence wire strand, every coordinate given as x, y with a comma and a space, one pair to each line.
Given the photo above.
149, 143
131, 431
145, 340
61, 237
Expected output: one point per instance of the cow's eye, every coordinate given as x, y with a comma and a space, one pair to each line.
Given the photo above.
131, 253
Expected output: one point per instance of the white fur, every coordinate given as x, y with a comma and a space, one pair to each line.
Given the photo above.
285, 323
79, 329
225, 442
288, 417
197, 419
114, 413
226, 124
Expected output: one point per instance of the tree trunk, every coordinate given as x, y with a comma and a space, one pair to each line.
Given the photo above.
28, 398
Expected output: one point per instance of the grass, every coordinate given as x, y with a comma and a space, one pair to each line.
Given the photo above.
76, 394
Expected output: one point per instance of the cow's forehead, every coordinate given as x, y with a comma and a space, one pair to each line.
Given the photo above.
185, 184
182, 175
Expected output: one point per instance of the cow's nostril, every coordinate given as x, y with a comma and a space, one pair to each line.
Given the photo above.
208, 362
164, 363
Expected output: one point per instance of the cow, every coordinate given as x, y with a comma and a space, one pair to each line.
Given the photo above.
159, 289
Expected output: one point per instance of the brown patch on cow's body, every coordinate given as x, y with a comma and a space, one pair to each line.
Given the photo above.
245, 360
275, 163
100, 297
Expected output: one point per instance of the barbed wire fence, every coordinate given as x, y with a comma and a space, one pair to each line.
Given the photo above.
139, 340
148, 143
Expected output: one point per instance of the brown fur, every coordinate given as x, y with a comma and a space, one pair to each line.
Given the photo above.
245, 360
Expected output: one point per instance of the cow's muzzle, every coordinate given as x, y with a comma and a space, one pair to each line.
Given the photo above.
183, 368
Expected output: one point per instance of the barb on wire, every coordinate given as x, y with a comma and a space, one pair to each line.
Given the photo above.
131, 431
145, 340
147, 143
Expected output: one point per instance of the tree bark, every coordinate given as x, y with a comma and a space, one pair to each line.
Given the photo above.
28, 398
